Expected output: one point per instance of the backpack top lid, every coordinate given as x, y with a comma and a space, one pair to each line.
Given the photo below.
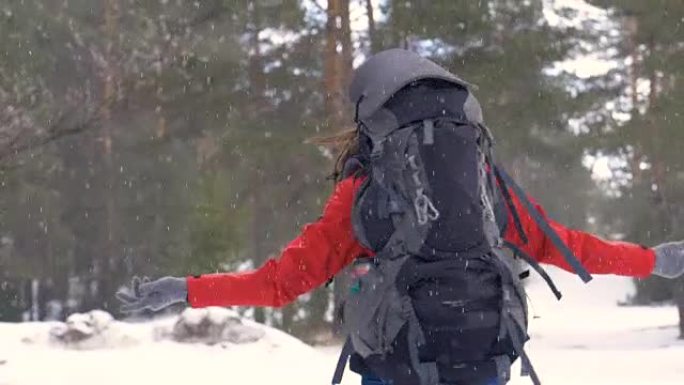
387, 72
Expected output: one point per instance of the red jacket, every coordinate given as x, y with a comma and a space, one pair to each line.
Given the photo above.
327, 245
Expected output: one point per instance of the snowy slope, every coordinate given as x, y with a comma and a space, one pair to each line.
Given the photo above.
584, 340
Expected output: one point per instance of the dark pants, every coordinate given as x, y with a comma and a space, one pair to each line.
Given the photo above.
368, 380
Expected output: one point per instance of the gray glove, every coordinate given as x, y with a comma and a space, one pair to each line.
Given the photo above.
669, 262
153, 295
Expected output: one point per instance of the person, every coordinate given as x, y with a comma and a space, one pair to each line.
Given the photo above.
334, 241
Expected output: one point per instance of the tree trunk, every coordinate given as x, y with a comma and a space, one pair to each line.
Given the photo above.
162, 128
679, 300
347, 58
372, 33
331, 68
257, 230
288, 313
337, 63
260, 211
108, 266
337, 74
681, 317
631, 25
659, 165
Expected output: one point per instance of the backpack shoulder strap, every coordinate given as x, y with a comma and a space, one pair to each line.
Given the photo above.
544, 225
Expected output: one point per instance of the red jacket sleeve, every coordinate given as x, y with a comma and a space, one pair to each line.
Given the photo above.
316, 255
598, 256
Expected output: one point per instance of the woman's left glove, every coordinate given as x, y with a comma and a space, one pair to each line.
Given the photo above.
152, 295
669, 262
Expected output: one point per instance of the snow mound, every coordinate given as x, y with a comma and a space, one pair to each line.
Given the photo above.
157, 360
212, 326
96, 329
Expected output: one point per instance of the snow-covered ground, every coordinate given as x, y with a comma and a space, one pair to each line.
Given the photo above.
584, 340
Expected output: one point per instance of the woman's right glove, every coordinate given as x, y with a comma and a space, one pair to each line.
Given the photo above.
152, 295
669, 262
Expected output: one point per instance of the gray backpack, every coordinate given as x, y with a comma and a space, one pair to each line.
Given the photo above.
440, 302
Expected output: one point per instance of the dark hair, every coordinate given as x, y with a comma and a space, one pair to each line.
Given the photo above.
345, 144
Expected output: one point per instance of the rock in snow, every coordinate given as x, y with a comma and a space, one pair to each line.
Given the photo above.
212, 326
96, 329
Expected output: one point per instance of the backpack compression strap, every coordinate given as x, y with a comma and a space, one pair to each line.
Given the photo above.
536, 266
570, 258
509, 202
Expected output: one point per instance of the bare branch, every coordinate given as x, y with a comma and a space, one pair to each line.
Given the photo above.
318, 5
64, 126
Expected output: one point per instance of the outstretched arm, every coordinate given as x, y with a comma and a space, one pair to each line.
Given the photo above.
598, 255
316, 255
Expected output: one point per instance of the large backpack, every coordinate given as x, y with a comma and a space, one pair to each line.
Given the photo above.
440, 302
